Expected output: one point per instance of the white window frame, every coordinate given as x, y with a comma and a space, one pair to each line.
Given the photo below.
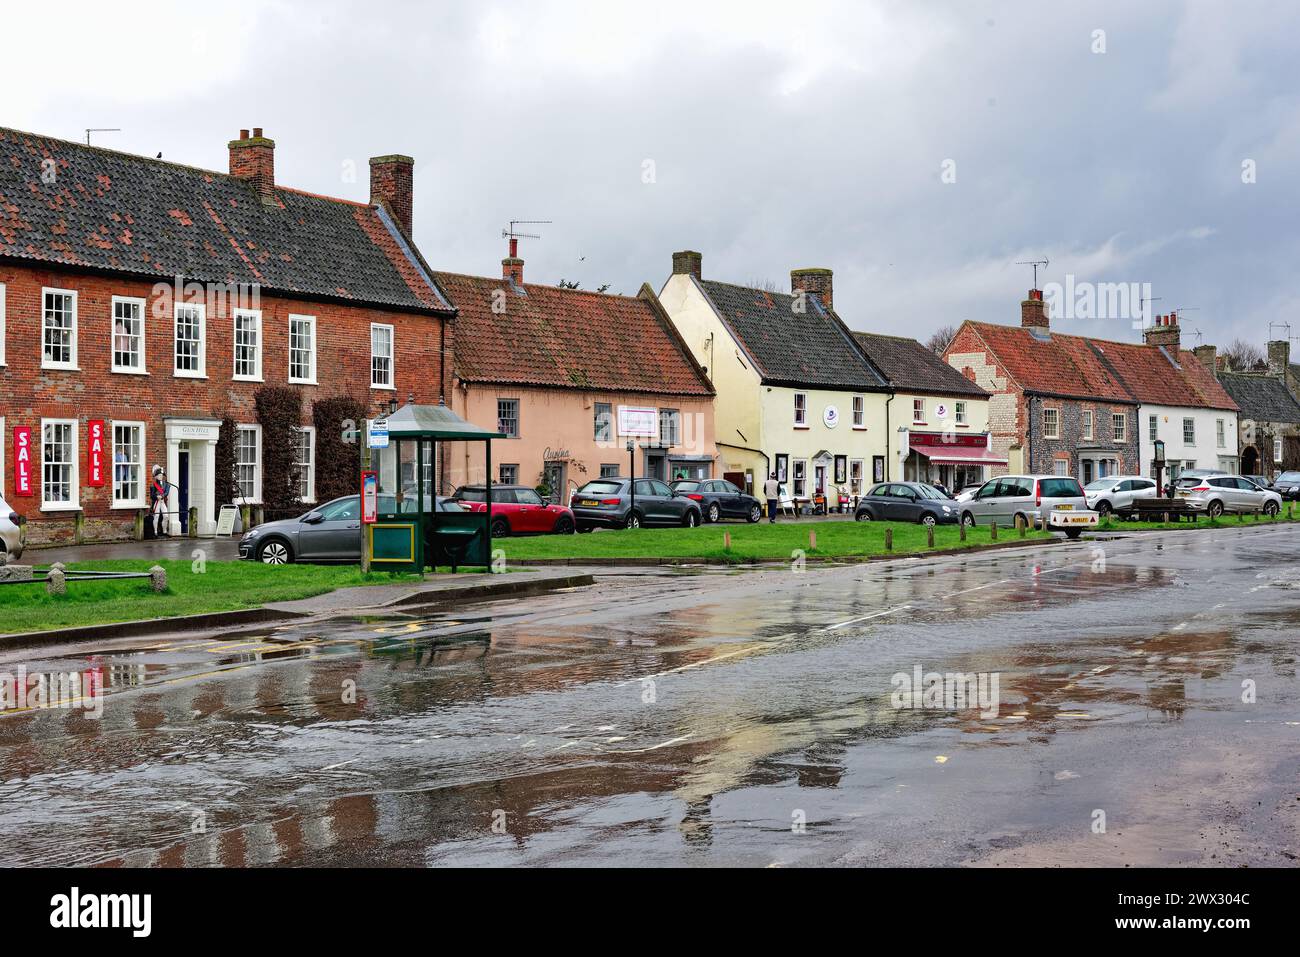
918, 412
1088, 424
311, 321
74, 503
1221, 433
1153, 427
2, 331
71, 364
202, 372
1119, 426
855, 484
309, 479
795, 490
139, 304
256, 498
1186, 422
959, 412
518, 415
801, 413
143, 464
256, 316
859, 411
1277, 450
1055, 431
391, 386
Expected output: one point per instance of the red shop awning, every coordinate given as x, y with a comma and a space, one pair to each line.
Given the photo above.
957, 455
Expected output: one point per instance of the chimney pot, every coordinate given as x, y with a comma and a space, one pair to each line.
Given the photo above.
391, 186
243, 134
257, 132
1164, 331
817, 282
1033, 311
688, 263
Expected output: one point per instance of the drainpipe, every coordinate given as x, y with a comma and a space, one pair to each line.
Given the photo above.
1029, 435
887, 452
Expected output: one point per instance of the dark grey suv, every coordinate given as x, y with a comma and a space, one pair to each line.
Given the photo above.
609, 503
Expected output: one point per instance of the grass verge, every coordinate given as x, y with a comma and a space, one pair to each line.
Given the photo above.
761, 542
222, 586
1112, 524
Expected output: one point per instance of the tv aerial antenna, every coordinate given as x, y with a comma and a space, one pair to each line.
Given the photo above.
1044, 262
101, 129
512, 234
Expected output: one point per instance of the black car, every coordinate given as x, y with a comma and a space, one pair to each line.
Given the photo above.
610, 503
907, 502
719, 499
1287, 484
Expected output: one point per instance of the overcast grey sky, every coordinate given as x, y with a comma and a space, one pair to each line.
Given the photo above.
781, 135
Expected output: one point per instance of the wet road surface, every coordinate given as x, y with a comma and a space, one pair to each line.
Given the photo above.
705, 717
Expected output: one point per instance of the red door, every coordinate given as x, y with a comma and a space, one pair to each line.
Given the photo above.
531, 514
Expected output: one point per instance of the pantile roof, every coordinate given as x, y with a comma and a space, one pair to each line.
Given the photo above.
571, 338
74, 205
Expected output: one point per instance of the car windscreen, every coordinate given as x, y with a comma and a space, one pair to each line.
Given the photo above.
1059, 488
1289, 477
601, 488
929, 491
472, 495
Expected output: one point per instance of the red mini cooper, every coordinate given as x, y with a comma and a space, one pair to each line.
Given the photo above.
517, 510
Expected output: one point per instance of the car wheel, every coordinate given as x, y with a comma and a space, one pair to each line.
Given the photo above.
500, 528
1073, 533
1104, 509
968, 520
714, 514
691, 519
755, 514
1270, 509
1215, 509
863, 516
928, 519
633, 520
274, 552
584, 529
564, 526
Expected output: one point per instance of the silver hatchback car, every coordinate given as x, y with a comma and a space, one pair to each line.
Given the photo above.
1031, 497
11, 531
1216, 494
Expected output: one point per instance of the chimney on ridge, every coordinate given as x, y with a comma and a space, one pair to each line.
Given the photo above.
1164, 332
253, 158
512, 267
1033, 311
391, 187
1209, 357
815, 282
1279, 356
687, 263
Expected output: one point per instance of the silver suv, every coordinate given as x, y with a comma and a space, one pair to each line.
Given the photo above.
1116, 493
11, 531
1031, 497
1216, 494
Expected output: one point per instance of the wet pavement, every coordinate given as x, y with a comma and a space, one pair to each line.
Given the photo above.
707, 717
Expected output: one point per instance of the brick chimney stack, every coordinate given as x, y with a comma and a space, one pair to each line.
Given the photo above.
512, 267
1164, 332
1033, 311
814, 281
1209, 357
253, 158
687, 263
391, 187
1279, 357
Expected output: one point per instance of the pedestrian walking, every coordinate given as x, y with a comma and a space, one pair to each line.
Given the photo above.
158, 501
772, 492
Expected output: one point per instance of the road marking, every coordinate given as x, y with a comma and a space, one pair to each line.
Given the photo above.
879, 614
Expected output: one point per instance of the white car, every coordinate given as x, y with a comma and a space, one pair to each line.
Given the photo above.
1217, 494
1116, 493
11, 531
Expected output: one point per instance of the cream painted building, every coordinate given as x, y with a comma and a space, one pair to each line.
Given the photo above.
796, 395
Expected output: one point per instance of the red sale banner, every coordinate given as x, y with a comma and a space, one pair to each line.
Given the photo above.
95, 463
22, 460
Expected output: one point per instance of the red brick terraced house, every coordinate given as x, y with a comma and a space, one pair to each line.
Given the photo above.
144, 302
1091, 408
571, 376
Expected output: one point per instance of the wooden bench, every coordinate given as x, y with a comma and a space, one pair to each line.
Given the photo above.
1155, 510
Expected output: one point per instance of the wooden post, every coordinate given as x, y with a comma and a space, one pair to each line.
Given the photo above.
1021, 526
961, 530
194, 521
138, 531
889, 539
929, 536
726, 541
1166, 518
812, 541
993, 531
78, 527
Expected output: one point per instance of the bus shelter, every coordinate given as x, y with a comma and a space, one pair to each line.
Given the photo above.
412, 530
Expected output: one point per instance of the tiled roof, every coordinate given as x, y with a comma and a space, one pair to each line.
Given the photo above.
1078, 367
911, 367
568, 338
106, 210
1261, 397
812, 348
